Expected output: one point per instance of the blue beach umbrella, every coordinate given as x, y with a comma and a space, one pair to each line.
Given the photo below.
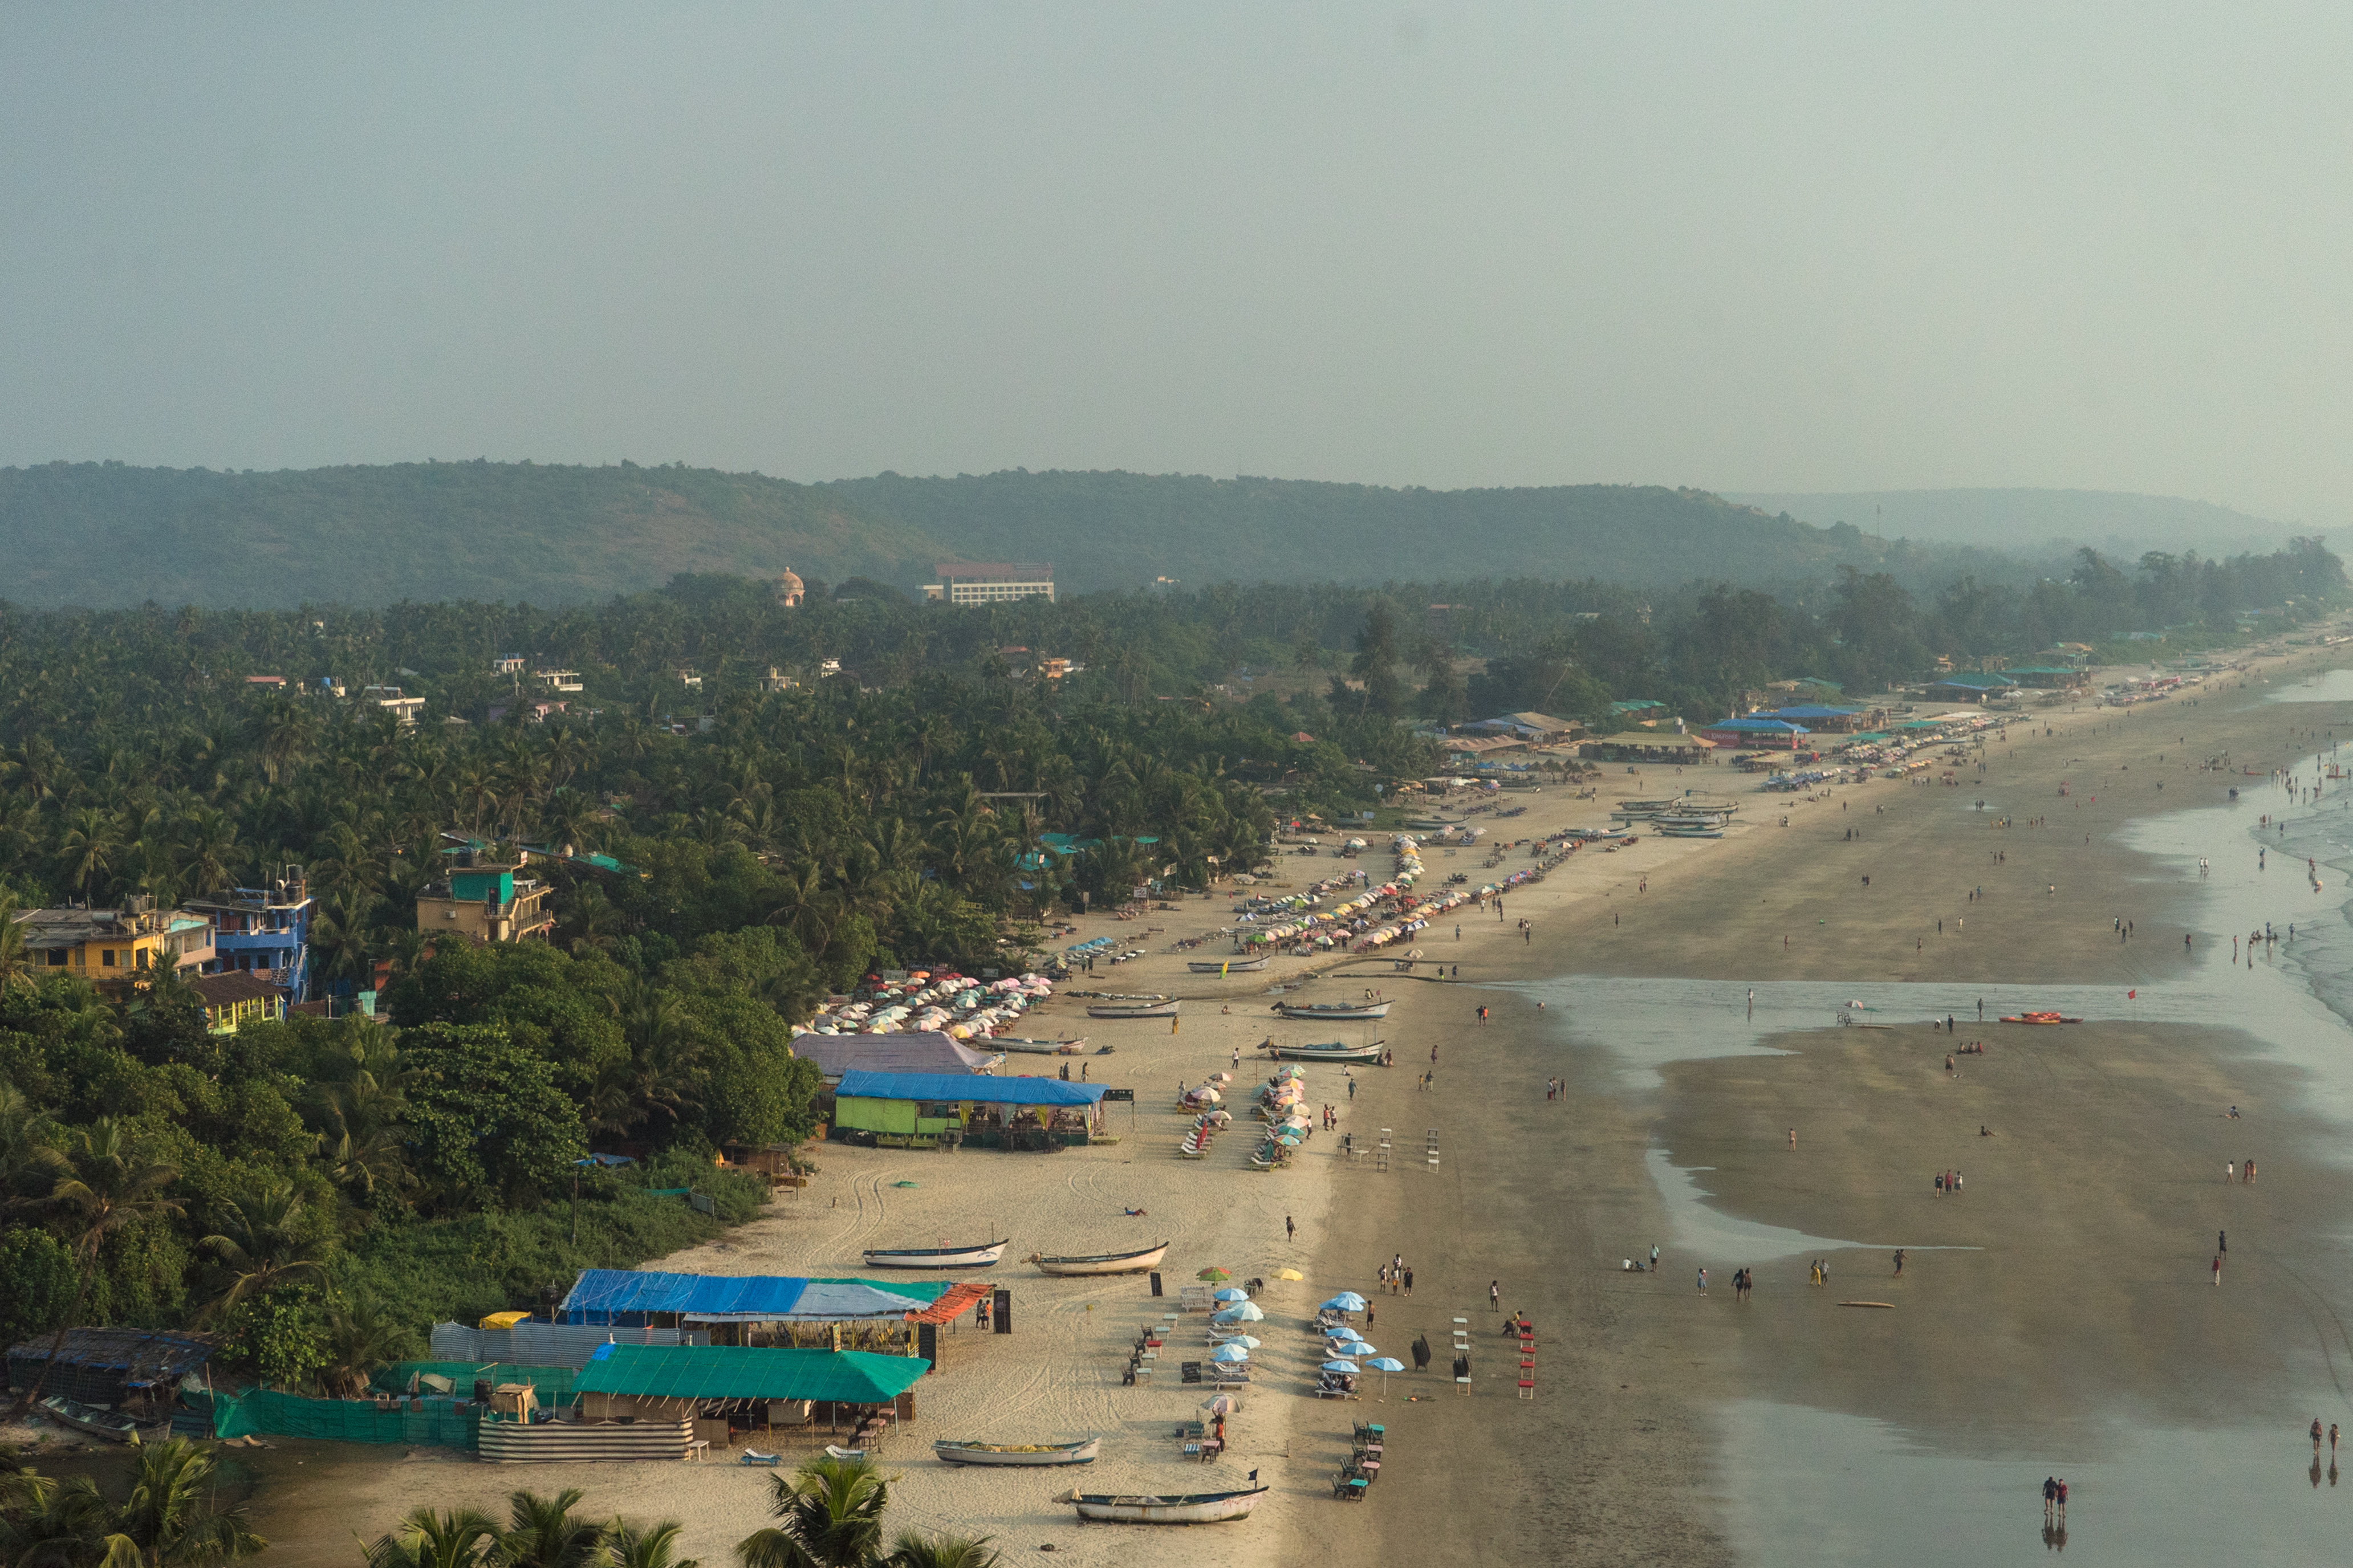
1239, 1312
1229, 1352
1231, 1293
1346, 1301
1385, 1365
1359, 1347
1344, 1332
1339, 1366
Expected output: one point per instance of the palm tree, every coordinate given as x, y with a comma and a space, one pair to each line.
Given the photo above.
29, 1164
830, 1516
88, 848
115, 1182
361, 1335
547, 1534
169, 1521
913, 1549
459, 1538
15, 959
630, 1545
264, 1241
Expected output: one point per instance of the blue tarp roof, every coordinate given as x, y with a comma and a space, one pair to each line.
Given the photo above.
859, 1084
604, 1295
1806, 711
1975, 682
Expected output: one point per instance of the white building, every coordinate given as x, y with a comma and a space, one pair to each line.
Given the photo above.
990, 582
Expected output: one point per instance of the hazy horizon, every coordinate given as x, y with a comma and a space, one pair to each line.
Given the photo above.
1856, 251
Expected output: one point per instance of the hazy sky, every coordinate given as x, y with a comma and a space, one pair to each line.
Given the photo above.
1744, 247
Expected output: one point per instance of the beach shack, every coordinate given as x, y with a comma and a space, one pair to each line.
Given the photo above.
761, 1394
925, 1051
922, 1110
1776, 734
116, 1368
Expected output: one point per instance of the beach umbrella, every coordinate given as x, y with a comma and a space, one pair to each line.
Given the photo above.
1219, 1405
1346, 1301
1231, 1293
1213, 1273
1248, 1342
1229, 1352
1385, 1365
1359, 1347
1344, 1332
1339, 1366
1239, 1312
1289, 1274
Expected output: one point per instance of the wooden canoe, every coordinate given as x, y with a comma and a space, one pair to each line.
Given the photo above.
979, 1257
1889, 1305
961, 1453
1104, 1262
1196, 1508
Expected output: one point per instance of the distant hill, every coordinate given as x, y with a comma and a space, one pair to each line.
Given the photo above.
2037, 520
104, 534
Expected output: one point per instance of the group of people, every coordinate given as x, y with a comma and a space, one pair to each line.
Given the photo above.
1395, 1278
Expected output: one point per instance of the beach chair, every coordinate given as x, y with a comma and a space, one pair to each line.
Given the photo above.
753, 1457
1350, 1488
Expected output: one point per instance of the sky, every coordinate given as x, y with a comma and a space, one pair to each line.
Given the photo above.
1745, 247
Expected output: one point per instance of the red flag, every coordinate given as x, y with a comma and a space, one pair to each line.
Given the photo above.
2130, 995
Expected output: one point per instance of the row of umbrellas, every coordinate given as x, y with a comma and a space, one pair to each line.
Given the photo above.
1345, 1346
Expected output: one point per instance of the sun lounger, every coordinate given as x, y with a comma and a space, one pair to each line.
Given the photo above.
753, 1457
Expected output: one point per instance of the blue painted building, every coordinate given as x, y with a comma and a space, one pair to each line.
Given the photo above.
262, 931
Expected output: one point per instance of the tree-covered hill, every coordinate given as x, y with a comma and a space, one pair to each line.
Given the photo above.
107, 534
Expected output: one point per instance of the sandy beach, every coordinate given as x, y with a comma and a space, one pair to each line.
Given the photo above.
2064, 1289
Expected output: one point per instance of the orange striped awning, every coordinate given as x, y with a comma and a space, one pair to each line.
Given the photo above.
958, 1299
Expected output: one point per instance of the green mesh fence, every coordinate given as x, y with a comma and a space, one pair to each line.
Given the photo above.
552, 1384
440, 1423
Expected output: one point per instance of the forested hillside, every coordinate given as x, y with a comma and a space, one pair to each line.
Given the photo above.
104, 534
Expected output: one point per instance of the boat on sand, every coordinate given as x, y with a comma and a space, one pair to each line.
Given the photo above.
1104, 1262
1347, 1011
2038, 1018
960, 1453
1194, 1507
979, 1257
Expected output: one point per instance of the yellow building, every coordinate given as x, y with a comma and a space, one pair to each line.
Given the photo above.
237, 998
486, 902
109, 947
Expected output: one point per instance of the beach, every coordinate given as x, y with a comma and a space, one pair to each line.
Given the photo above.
2061, 1297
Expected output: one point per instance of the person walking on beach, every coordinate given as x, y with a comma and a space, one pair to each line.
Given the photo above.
1899, 1263
1702, 1281
1496, 1292
2063, 1505
2218, 1270
2223, 1241
1289, 1231
1654, 1258
2049, 1497
1408, 1282
1793, 1140
2316, 1434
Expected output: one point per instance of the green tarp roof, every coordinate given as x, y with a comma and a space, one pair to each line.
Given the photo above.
727, 1371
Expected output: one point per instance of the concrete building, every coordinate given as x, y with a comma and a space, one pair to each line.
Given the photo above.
402, 707
109, 947
233, 1000
990, 582
262, 931
559, 680
484, 900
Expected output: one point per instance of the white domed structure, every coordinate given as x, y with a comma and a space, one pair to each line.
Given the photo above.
789, 589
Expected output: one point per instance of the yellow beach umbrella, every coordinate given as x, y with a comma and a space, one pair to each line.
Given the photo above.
1289, 1274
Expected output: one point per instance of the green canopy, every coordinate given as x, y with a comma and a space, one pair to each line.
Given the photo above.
727, 1372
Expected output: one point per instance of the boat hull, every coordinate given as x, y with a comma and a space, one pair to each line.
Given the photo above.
1105, 1263
1040, 1048
1311, 1014
997, 1454
1204, 1508
1156, 1010
1237, 966
109, 1425
938, 1256
1337, 1054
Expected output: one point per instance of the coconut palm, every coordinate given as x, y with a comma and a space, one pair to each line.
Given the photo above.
361, 1335
265, 1241
830, 1515
546, 1534
30, 1163
114, 1183
630, 1545
458, 1538
170, 1518
913, 1549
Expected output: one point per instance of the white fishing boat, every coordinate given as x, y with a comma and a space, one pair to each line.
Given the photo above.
1103, 1262
955, 1453
1691, 830
1226, 965
979, 1257
99, 1422
1330, 1051
1040, 1048
1133, 1007
1314, 1011
1194, 1507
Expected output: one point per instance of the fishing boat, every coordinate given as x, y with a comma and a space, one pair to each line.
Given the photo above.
1194, 1507
99, 1422
1330, 1051
1313, 1011
1226, 965
2038, 1018
1104, 1262
1133, 1007
1040, 1048
979, 1257
1691, 830
1082, 1453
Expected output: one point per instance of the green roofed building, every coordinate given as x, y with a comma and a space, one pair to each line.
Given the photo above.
680, 1382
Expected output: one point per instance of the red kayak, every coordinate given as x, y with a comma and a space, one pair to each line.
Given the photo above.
2038, 1018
